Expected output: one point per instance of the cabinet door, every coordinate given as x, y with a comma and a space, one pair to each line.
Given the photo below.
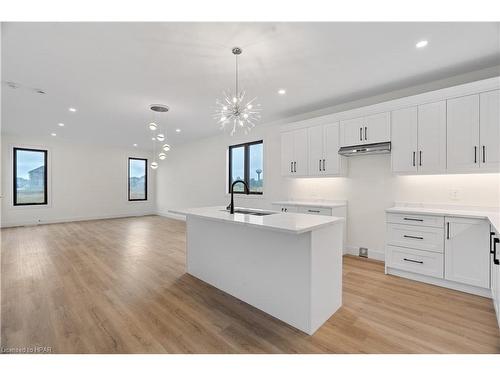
332, 159
286, 153
432, 137
467, 251
463, 134
300, 152
489, 131
351, 132
377, 128
404, 140
315, 143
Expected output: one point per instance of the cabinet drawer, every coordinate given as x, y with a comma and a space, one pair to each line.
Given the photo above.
422, 220
315, 210
418, 261
416, 237
285, 208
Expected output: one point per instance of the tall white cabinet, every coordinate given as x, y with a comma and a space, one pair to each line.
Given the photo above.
473, 128
419, 139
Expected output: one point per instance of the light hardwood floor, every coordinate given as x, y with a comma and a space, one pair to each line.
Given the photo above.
119, 286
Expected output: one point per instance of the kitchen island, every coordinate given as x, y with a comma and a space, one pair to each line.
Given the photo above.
287, 265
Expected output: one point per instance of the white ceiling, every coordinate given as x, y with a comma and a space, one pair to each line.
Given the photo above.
111, 72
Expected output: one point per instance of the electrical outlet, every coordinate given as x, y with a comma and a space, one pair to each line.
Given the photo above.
454, 194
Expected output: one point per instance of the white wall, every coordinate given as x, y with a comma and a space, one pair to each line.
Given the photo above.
195, 174
85, 182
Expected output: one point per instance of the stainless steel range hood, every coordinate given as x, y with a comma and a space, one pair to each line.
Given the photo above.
372, 148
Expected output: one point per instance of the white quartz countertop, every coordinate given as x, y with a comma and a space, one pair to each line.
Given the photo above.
492, 214
289, 222
324, 204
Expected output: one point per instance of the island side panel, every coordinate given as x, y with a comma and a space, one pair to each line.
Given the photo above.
267, 269
326, 273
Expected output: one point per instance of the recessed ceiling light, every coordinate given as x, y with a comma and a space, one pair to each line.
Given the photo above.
53, 134
61, 124
71, 109
135, 145
153, 139
421, 44
282, 91
178, 130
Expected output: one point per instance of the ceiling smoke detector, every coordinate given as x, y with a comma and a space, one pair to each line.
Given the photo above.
159, 108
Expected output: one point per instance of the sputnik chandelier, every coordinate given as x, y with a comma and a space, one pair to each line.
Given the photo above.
159, 134
232, 111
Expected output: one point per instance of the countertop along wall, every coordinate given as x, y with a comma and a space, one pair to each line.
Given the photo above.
85, 182
195, 174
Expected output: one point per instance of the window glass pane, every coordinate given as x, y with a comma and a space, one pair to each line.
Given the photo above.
30, 177
137, 179
256, 172
238, 166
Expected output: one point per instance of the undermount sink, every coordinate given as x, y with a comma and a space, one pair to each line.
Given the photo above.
252, 212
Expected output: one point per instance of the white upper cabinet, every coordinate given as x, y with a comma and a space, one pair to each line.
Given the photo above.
351, 132
294, 152
363, 130
432, 137
467, 251
377, 128
463, 134
287, 153
489, 131
333, 164
404, 140
418, 139
323, 144
315, 141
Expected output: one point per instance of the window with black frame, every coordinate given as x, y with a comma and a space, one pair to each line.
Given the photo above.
246, 163
137, 179
30, 176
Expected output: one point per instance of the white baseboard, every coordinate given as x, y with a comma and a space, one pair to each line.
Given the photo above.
171, 215
440, 282
372, 254
70, 219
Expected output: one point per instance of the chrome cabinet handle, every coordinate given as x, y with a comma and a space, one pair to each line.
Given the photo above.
366, 132
414, 153
295, 166
291, 167
448, 230
413, 261
360, 134
484, 154
475, 154
411, 219
320, 165
324, 168
420, 162
316, 211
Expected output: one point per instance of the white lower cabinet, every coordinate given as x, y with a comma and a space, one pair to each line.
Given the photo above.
495, 270
418, 261
448, 251
466, 249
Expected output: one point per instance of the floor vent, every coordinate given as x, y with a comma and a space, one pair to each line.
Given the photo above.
363, 252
